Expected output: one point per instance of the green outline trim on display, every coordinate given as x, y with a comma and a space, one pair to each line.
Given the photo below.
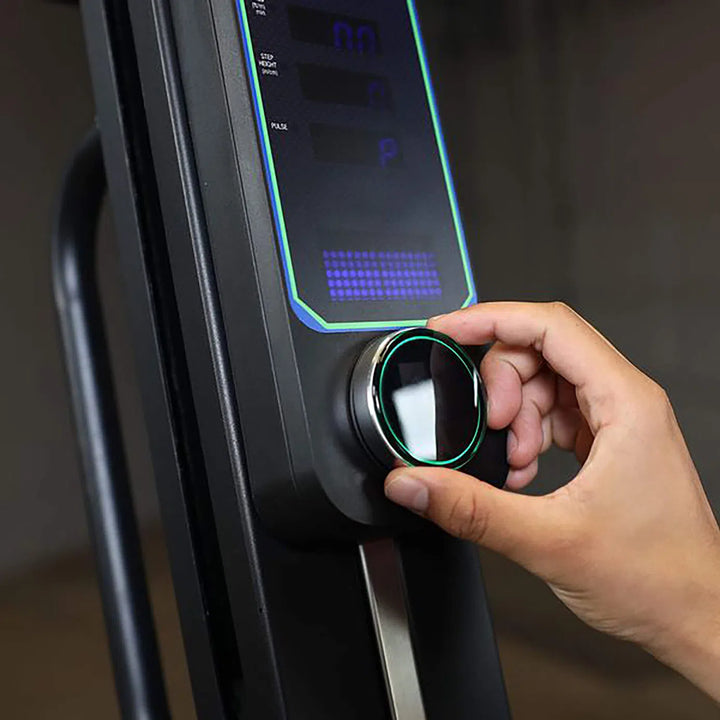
480, 430
305, 313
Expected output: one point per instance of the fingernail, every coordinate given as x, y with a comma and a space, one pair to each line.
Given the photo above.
409, 492
435, 319
512, 443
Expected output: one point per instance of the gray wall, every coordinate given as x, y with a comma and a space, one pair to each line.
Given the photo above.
585, 137
45, 108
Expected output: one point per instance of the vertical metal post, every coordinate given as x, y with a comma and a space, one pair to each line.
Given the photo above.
108, 499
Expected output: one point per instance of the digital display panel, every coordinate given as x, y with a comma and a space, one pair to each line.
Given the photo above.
321, 83
366, 217
350, 34
335, 143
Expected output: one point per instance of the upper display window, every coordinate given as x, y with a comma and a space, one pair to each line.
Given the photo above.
364, 207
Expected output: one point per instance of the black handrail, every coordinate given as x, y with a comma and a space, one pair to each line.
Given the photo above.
108, 499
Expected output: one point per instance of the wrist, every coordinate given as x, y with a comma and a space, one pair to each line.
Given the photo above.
688, 640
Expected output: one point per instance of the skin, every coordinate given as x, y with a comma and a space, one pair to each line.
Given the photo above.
631, 544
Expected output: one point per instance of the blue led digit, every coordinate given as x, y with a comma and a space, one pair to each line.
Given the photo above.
366, 40
377, 95
343, 35
388, 151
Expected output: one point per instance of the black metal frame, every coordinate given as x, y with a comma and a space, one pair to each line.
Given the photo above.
108, 499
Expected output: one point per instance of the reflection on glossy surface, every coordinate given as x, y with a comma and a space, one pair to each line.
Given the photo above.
415, 408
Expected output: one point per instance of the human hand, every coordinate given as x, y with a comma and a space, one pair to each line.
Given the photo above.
630, 545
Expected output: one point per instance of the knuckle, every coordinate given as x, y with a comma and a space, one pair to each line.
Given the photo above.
560, 308
650, 395
659, 404
466, 520
658, 394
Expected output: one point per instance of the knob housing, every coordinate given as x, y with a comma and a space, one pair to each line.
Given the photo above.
417, 397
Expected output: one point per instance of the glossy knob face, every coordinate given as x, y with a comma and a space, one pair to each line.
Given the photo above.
416, 396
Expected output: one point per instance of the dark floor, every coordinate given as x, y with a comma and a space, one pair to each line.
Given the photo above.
54, 663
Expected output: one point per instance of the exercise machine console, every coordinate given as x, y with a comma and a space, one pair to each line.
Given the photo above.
286, 224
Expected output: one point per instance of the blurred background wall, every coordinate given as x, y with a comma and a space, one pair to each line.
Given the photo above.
46, 106
584, 138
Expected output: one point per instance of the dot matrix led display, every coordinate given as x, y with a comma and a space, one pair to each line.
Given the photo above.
354, 276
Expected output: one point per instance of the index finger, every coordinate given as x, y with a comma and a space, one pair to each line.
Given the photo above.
569, 345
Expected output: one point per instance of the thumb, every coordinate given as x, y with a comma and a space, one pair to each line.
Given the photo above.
521, 527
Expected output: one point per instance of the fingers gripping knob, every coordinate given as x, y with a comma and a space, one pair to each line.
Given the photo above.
416, 396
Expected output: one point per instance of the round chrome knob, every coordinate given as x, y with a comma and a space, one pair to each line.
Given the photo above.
416, 396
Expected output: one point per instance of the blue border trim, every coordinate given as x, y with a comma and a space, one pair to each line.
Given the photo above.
304, 312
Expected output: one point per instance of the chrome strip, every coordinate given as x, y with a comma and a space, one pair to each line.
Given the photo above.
384, 582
